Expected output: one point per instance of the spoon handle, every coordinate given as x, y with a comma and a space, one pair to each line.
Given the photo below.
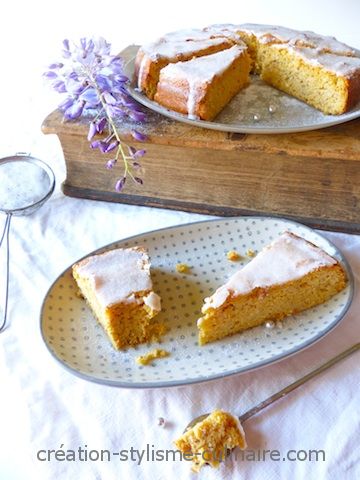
6, 236
301, 381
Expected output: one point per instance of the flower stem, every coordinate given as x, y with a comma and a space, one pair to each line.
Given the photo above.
114, 131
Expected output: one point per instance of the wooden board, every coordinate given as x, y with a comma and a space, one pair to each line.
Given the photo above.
313, 177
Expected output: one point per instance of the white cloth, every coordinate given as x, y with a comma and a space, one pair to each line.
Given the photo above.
45, 407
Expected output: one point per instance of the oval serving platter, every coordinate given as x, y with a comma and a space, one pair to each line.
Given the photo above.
78, 342
259, 108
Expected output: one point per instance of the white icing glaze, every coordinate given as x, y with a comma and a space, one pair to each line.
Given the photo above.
172, 49
203, 68
185, 35
321, 50
340, 65
141, 72
175, 44
287, 258
153, 301
192, 100
117, 275
279, 34
198, 71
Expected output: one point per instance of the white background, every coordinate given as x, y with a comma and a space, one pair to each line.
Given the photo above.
42, 406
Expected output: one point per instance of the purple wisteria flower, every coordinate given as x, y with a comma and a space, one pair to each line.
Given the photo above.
93, 80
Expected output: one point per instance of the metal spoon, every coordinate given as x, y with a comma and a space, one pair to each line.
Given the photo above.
25, 185
282, 393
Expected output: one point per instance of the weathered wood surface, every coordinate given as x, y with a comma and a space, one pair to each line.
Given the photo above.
313, 177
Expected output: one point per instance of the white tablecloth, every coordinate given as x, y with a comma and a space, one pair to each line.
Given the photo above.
43, 407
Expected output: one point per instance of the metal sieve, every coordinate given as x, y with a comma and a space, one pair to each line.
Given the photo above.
26, 183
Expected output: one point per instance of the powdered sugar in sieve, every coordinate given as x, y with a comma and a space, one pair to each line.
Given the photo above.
25, 185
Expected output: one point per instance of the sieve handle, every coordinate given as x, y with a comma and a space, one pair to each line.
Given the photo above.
6, 236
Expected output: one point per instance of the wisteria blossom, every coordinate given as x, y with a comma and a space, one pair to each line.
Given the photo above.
92, 79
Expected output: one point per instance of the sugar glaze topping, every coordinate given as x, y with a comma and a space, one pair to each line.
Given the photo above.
118, 275
182, 42
321, 50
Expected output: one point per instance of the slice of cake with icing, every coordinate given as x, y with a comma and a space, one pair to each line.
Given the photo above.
118, 288
201, 87
171, 48
288, 276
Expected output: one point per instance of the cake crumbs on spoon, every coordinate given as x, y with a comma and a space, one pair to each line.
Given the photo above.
150, 356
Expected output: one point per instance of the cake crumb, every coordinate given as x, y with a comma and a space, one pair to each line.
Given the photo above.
183, 268
233, 255
150, 356
250, 253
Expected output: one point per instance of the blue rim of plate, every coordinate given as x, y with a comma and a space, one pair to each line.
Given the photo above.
255, 366
329, 120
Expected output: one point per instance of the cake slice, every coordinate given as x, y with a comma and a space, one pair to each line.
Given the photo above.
286, 277
174, 47
207, 442
201, 87
118, 288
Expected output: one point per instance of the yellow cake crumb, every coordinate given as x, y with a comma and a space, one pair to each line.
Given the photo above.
183, 268
150, 356
207, 442
250, 253
233, 255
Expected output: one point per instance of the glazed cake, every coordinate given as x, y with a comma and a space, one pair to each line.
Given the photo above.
208, 441
174, 47
288, 276
316, 69
118, 288
201, 87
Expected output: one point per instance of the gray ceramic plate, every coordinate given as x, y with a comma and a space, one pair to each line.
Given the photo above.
259, 108
78, 342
